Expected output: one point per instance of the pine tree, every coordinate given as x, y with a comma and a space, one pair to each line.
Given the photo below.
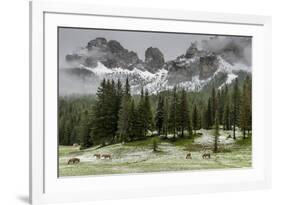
61, 129
148, 118
213, 107
183, 113
123, 122
67, 132
249, 88
220, 105
173, 113
105, 113
127, 91
166, 117
226, 116
226, 109
195, 119
141, 116
84, 132
208, 115
132, 122
216, 133
235, 107
245, 111
159, 117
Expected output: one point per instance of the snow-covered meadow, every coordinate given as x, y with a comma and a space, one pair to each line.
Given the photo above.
139, 157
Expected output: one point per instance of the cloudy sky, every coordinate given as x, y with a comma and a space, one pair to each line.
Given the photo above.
171, 44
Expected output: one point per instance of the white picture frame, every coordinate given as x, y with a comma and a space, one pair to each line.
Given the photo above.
46, 187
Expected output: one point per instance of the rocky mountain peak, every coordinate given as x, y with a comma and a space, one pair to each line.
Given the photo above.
191, 51
115, 46
192, 70
98, 42
154, 59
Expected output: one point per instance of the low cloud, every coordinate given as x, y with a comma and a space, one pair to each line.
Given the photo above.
233, 49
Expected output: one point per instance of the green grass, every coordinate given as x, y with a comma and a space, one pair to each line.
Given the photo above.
139, 157
244, 142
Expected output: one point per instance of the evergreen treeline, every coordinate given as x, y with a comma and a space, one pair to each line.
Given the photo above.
114, 115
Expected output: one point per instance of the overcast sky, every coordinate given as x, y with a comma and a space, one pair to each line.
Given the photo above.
171, 44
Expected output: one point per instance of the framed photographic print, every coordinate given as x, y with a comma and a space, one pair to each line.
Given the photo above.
129, 102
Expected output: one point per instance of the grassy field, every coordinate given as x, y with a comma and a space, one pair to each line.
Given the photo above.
139, 157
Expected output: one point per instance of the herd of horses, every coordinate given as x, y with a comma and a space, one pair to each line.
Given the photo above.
97, 156
204, 156
108, 156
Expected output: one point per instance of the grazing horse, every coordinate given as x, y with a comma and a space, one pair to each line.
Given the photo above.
97, 156
188, 156
206, 155
106, 156
73, 161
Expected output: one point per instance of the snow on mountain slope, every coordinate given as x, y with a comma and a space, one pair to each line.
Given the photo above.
99, 70
156, 82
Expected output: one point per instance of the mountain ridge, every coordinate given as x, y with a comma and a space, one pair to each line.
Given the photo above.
109, 59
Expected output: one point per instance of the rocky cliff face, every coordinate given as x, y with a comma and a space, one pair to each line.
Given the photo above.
110, 53
154, 59
109, 59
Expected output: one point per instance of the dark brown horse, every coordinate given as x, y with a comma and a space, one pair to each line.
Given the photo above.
206, 155
73, 161
188, 156
106, 156
97, 156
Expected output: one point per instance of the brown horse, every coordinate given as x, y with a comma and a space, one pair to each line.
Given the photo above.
106, 156
206, 155
188, 156
73, 161
97, 156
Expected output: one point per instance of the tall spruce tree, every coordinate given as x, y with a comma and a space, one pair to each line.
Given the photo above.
245, 111
132, 121
123, 116
166, 117
226, 109
141, 116
148, 118
195, 118
216, 132
208, 115
84, 131
173, 125
67, 132
235, 107
249, 87
159, 117
220, 105
183, 113
214, 106
127, 91
105, 113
